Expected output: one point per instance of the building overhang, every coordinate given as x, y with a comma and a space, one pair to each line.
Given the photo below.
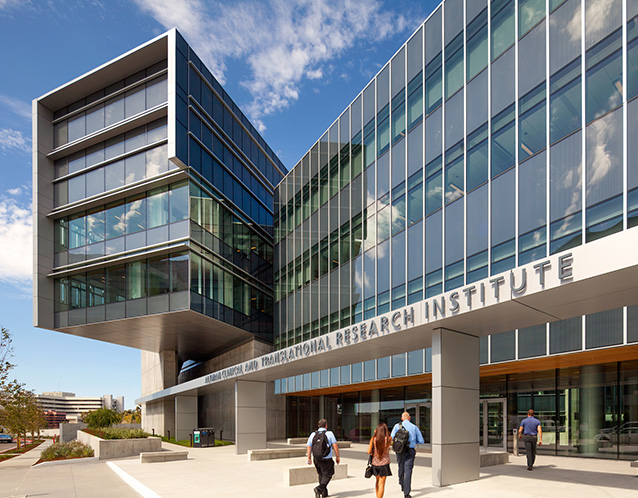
190, 334
597, 276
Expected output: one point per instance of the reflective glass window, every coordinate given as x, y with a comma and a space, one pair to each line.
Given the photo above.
604, 329
454, 66
477, 165
632, 58
415, 100
531, 59
433, 186
502, 26
565, 101
565, 335
398, 115
564, 34
530, 12
433, 84
477, 45
503, 141
454, 173
532, 341
604, 76
531, 131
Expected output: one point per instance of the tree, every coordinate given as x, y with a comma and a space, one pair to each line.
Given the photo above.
19, 410
132, 416
102, 417
6, 352
21, 413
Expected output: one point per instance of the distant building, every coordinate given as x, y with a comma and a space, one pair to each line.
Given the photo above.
74, 407
54, 419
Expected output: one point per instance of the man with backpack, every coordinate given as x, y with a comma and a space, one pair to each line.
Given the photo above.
405, 437
321, 445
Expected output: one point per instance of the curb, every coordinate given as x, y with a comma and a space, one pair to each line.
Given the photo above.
68, 461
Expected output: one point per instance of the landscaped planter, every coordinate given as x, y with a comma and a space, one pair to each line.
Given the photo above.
116, 448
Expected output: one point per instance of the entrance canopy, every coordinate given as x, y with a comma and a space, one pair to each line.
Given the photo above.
597, 276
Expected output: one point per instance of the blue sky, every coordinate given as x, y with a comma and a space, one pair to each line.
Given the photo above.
291, 65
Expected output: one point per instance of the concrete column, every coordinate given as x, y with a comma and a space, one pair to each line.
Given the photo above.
455, 398
250, 416
185, 416
159, 371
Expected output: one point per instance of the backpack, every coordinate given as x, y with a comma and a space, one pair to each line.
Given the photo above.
320, 445
401, 440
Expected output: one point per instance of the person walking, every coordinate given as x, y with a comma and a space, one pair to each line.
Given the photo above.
406, 458
530, 432
379, 448
322, 444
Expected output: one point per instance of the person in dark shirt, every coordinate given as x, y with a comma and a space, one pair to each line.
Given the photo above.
530, 432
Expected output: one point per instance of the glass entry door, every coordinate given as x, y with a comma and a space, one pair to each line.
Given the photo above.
493, 423
421, 416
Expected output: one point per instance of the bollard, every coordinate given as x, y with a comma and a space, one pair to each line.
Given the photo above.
169, 436
190, 437
153, 431
515, 444
221, 435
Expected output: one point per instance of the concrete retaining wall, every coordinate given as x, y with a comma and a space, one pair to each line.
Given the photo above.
117, 448
68, 432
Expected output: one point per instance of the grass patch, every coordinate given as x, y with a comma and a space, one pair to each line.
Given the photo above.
223, 443
65, 451
181, 442
116, 433
187, 443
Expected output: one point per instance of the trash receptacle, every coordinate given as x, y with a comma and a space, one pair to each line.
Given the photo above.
209, 436
197, 438
203, 437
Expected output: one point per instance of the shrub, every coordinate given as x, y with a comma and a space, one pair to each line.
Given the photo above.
102, 417
116, 433
61, 451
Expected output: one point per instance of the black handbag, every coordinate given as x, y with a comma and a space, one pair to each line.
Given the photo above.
368, 472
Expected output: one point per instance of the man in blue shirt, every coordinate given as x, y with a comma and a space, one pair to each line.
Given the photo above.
406, 459
325, 466
530, 432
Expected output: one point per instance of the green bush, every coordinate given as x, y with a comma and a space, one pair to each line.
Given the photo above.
116, 433
102, 417
60, 451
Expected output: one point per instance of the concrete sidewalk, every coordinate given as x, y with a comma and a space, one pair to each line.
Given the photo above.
92, 479
218, 472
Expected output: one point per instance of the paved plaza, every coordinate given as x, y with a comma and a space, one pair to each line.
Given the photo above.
218, 472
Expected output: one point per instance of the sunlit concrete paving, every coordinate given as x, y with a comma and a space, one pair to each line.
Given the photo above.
77, 479
219, 472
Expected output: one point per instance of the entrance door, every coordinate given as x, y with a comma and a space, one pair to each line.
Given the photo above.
421, 414
493, 423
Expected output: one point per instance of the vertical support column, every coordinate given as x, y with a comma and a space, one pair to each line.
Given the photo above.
250, 416
455, 398
185, 416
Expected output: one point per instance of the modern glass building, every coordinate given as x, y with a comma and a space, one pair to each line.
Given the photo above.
501, 133
458, 243
145, 173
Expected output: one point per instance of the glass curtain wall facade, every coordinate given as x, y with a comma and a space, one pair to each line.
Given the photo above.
138, 232
500, 133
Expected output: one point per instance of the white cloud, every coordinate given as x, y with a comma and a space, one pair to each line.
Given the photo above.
16, 106
283, 42
13, 139
8, 3
16, 264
